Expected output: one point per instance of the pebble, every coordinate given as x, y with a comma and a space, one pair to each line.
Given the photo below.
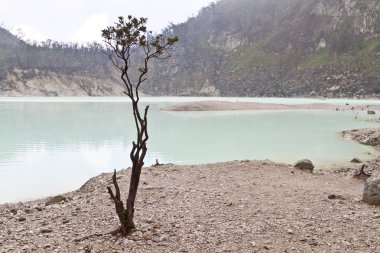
128, 242
289, 231
65, 221
46, 230
149, 220
163, 238
137, 234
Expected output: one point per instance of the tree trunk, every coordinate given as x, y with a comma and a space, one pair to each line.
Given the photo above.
133, 186
137, 155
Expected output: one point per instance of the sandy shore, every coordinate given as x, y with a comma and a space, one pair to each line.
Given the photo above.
240, 206
225, 106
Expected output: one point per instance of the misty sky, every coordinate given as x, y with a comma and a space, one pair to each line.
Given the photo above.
81, 20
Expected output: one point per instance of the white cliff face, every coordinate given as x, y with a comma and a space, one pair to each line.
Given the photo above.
36, 83
322, 44
226, 41
364, 16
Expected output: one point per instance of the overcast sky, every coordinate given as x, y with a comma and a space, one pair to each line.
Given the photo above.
81, 20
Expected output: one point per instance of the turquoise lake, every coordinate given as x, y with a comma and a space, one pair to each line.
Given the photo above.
53, 145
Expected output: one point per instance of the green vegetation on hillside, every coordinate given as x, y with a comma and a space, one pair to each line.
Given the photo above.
270, 47
316, 60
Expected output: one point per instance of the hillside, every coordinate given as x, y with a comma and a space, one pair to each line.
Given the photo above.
54, 69
276, 48
328, 48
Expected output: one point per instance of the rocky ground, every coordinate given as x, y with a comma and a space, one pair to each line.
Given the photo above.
240, 206
366, 136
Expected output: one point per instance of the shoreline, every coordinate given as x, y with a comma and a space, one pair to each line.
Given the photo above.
239, 206
214, 105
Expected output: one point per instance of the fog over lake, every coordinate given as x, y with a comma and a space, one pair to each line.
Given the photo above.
52, 145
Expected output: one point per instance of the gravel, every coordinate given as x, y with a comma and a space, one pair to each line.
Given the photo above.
239, 206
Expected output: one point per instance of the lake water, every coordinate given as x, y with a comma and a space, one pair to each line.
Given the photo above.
53, 145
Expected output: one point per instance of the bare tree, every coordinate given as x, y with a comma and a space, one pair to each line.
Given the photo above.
130, 48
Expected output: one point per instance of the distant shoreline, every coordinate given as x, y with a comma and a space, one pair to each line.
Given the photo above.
232, 106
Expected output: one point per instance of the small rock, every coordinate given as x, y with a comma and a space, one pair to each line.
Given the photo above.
137, 233
289, 231
65, 221
347, 243
149, 220
304, 164
356, 160
253, 244
371, 192
127, 242
371, 112
361, 173
46, 230
313, 243
163, 238
56, 200
38, 208
333, 196
22, 219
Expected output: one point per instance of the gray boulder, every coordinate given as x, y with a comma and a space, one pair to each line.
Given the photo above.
371, 192
356, 160
304, 164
